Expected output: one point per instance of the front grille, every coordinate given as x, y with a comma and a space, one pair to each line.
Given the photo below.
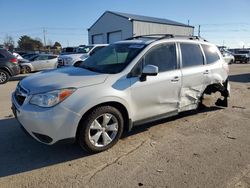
60, 62
20, 94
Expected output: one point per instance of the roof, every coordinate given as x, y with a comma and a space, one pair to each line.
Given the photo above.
145, 19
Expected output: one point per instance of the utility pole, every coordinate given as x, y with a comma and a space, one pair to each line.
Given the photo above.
44, 36
188, 22
199, 31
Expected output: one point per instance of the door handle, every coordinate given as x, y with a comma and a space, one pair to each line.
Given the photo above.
206, 72
175, 79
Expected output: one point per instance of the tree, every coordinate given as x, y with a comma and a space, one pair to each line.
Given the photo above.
57, 45
9, 42
26, 43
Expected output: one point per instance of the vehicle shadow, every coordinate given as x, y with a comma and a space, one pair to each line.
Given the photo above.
243, 78
20, 153
18, 77
145, 127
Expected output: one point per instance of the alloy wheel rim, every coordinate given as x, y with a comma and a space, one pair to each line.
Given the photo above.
103, 130
3, 77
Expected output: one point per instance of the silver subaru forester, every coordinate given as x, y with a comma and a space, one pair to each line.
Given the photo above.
127, 83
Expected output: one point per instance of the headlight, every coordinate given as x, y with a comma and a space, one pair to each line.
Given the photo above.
68, 59
51, 98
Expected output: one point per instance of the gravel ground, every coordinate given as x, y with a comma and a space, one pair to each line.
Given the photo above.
210, 148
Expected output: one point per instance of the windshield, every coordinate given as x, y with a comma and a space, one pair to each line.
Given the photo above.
84, 49
113, 58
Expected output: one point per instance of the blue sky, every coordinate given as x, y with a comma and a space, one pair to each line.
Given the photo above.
222, 21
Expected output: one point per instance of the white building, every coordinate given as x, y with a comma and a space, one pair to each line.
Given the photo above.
115, 26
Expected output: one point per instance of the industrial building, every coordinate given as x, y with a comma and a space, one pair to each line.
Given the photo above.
115, 26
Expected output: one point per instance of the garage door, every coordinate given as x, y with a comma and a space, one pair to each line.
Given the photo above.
114, 36
97, 39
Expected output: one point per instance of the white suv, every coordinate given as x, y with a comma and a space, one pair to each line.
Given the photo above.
82, 53
125, 84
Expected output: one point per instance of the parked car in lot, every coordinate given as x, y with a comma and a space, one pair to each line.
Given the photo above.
227, 56
74, 59
125, 84
39, 62
242, 56
8, 66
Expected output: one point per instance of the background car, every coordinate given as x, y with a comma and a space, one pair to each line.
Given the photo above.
243, 56
82, 53
8, 66
227, 56
39, 62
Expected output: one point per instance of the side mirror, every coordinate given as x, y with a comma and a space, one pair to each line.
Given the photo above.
148, 70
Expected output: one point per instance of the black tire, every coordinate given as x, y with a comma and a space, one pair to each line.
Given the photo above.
4, 76
84, 130
25, 69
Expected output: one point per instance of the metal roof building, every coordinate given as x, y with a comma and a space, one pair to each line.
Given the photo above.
115, 26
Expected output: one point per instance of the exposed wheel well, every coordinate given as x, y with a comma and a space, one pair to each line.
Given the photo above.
217, 87
77, 63
116, 105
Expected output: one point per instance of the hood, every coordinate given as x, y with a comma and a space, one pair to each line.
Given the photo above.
61, 78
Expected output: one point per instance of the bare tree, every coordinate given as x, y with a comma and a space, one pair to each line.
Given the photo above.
9, 42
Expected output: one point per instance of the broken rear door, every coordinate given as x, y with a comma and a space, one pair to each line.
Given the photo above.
194, 75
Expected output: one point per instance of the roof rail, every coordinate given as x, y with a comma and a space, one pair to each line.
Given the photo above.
158, 36
197, 38
163, 36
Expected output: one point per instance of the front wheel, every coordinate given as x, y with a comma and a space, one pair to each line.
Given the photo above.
101, 129
4, 76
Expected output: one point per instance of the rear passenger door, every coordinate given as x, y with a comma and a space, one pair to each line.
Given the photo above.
212, 65
51, 62
158, 95
38, 62
194, 75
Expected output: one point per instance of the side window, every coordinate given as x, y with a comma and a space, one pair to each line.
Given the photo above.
42, 57
191, 55
1, 56
210, 53
162, 56
52, 57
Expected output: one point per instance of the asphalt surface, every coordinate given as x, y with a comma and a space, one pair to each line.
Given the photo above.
210, 148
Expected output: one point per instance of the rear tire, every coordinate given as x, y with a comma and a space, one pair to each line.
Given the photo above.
4, 76
101, 129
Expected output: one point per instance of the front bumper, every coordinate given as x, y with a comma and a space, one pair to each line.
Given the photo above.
46, 125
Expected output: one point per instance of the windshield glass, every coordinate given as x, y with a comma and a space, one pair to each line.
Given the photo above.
113, 58
84, 49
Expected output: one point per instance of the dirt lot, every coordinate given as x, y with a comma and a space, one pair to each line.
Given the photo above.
206, 149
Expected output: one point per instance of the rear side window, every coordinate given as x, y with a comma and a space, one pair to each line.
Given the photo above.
162, 56
42, 57
51, 57
5, 54
191, 55
210, 53
1, 56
